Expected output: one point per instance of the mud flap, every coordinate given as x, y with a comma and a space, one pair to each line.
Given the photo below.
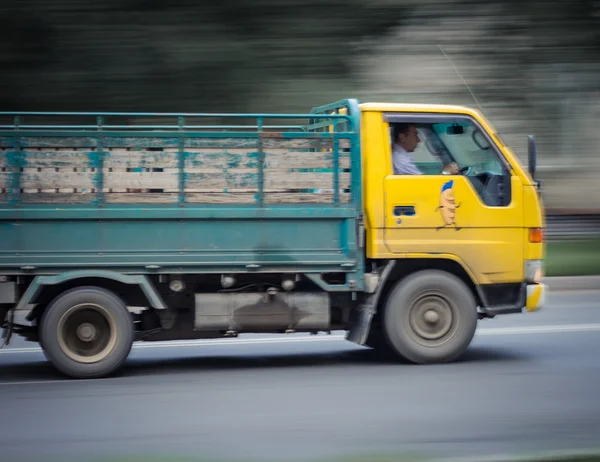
360, 330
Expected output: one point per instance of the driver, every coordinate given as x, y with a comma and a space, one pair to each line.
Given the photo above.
405, 141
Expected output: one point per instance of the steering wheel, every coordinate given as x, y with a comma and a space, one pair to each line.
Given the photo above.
465, 170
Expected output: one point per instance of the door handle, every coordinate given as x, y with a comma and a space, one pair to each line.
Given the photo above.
407, 210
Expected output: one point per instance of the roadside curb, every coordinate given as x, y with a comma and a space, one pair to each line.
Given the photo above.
572, 283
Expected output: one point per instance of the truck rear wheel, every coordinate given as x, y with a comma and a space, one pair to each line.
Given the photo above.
87, 332
430, 317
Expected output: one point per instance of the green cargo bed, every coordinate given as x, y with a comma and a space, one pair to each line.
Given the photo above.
181, 193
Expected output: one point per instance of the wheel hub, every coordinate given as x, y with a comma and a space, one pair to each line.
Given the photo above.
86, 332
431, 318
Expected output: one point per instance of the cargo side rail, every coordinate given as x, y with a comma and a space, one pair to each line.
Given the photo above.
160, 158
163, 193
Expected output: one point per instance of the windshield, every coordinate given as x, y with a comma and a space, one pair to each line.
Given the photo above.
468, 146
461, 142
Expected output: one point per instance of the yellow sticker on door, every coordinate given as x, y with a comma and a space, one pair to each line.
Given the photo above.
448, 206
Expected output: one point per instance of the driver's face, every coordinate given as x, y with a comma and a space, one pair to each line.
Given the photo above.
410, 140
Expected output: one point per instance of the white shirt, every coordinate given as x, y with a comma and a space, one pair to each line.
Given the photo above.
402, 162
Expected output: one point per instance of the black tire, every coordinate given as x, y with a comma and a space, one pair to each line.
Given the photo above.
430, 317
87, 332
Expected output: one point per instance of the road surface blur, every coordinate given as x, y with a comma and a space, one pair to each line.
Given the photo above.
529, 382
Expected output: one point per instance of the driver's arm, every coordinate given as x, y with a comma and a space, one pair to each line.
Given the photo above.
451, 169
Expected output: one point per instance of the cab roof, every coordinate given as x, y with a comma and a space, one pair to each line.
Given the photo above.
409, 107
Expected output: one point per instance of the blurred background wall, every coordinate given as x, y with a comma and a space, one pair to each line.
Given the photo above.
534, 66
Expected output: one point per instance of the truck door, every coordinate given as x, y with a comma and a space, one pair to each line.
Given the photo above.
475, 216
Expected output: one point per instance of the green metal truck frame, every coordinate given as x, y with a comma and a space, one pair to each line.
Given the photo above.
135, 249
179, 237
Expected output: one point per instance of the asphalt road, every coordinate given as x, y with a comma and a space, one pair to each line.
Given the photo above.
529, 382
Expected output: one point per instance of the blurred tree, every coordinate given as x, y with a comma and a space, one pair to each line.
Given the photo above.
176, 56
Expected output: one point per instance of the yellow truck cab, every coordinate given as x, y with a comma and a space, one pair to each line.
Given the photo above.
483, 225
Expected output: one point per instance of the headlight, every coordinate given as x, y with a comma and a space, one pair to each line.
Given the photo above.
533, 271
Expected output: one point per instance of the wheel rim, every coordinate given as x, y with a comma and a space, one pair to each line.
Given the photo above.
87, 333
431, 319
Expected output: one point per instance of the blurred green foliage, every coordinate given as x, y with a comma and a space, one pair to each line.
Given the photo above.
180, 55
573, 258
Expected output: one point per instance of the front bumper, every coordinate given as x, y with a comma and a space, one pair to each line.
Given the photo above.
536, 296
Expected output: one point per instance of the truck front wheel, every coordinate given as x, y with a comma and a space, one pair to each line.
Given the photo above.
430, 317
87, 332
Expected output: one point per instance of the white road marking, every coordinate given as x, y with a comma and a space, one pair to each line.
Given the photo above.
195, 343
46, 382
539, 329
524, 330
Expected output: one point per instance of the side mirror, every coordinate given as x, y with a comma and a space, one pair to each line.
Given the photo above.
533, 161
532, 155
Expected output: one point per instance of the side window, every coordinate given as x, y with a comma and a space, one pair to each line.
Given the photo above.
428, 146
425, 159
410, 153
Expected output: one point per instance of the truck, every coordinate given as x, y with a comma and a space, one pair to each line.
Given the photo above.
117, 228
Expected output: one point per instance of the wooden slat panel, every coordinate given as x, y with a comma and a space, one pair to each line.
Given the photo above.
274, 179
142, 198
139, 142
304, 198
250, 190
200, 142
55, 142
194, 197
229, 180
57, 158
303, 180
121, 158
58, 198
272, 198
274, 158
4, 185
297, 143
168, 179
221, 157
221, 143
4, 153
303, 143
50, 178
291, 159
229, 191
123, 198
279, 186
169, 140
4, 178
216, 170
221, 198
46, 158
214, 158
